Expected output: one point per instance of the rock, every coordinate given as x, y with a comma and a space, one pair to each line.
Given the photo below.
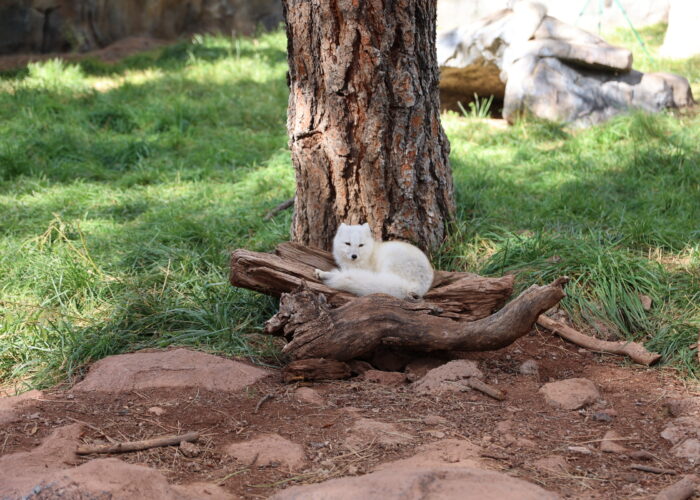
580, 450
455, 452
174, 368
554, 90
543, 67
681, 40
309, 395
114, 479
365, 432
445, 483
66, 25
684, 434
570, 394
529, 367
190, 449
156, 410
268, 449
555, 464
385, 378
690, 449
434, 420
646, 302
680, 407
606, 415
22, 471
447, 376
611, 443
9, 405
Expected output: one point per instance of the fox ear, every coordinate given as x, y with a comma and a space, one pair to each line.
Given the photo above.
366, 228
343, 225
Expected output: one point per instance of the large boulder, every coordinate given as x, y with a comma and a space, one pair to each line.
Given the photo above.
538, 65
60, 25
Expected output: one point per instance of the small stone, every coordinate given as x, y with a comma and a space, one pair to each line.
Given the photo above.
570, 394
610, 443
189, 449
434, 420
156, 410
529, 367
309, 395
555, 464
646, 302
581, 450
435, 434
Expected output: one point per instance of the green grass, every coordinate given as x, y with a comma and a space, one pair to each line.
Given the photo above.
124, 188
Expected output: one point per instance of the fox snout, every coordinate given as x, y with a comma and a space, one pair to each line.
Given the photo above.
353, 256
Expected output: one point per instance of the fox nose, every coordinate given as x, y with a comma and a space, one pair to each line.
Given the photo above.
353, 256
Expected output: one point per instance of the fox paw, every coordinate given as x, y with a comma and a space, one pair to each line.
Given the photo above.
320, 275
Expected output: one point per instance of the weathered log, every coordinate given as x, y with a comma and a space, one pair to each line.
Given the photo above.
315, 330
463, 296
637, 352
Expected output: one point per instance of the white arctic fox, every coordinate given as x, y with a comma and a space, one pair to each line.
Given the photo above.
367, 266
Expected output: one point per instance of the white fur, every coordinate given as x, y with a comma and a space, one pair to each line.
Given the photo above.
392, 267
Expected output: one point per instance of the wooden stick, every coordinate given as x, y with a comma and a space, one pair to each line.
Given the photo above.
487, 389
279, 208
636, 352
680, 490
653, 470
138, 445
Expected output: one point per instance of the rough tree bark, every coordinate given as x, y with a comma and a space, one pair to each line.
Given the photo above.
364, 122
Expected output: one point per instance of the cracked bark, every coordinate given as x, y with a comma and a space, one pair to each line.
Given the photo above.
363, 120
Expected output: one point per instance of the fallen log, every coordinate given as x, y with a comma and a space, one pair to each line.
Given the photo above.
461, 312
637, 352
170, 440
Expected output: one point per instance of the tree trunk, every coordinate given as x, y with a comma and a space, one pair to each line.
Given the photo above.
363, 120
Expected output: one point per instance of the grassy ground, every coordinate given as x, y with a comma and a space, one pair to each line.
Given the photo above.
123, 190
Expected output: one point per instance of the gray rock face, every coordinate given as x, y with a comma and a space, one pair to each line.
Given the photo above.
543, 67
61, 25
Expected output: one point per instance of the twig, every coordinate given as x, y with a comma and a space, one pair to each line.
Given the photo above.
262, 401
680, 490
637, 352
279, 208
653, 470
138, 445
229, 476
482, 386
93, 428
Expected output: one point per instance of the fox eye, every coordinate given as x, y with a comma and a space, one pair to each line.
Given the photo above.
347, 243
361, 245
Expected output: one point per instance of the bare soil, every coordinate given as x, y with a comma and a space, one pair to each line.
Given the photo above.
636, 394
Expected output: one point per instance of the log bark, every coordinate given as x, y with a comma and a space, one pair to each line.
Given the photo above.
463, 296
457, 314
315, 330
363, 120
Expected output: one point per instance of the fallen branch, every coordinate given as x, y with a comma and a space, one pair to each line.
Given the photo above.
653, 470
314, 330
680, 490
138, 445
279, 208
487, 389
637, 352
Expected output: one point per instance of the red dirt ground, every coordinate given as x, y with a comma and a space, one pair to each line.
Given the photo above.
636, 394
